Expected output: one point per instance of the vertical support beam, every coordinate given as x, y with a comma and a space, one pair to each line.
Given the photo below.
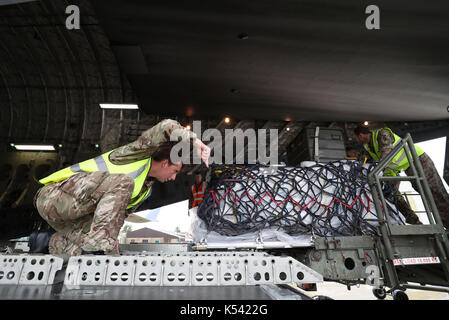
446, 162
387, 252
421, 182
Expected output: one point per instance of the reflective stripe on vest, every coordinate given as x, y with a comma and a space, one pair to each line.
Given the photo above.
399, 162
198, 194
137, 170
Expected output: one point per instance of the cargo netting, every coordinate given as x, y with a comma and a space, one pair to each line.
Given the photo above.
330, 199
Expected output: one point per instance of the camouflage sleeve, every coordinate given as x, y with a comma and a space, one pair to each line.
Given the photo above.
149, 140
385, 141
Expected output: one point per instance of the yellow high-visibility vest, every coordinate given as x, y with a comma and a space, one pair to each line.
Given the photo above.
137, 170
399, 162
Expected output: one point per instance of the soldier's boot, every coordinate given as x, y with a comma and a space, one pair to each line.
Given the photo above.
410, 216
39, 241
412, 219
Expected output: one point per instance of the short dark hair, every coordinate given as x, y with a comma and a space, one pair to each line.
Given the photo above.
163, 151
361, 129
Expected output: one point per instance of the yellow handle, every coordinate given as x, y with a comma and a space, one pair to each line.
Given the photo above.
364, 162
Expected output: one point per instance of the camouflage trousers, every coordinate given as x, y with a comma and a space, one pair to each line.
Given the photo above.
436, 186
404, 207
87, 211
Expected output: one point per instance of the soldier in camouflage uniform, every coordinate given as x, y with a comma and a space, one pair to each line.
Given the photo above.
88, 209
385, 141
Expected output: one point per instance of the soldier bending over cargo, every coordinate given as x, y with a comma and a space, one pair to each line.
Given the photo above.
87, 203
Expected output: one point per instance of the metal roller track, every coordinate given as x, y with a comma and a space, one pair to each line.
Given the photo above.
187, 269
29, 269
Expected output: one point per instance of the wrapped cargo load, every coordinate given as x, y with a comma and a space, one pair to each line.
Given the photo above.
289, 204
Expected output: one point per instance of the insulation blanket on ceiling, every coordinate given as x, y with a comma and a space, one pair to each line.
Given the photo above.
289, 203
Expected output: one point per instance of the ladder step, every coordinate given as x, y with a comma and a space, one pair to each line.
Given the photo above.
400, 178
422, 229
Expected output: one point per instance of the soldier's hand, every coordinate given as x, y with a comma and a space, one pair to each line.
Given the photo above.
203, 151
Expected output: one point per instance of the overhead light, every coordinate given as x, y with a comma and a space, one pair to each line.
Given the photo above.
33, 147
227, 120
188, 127
365, 123
288, 129
118, 106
